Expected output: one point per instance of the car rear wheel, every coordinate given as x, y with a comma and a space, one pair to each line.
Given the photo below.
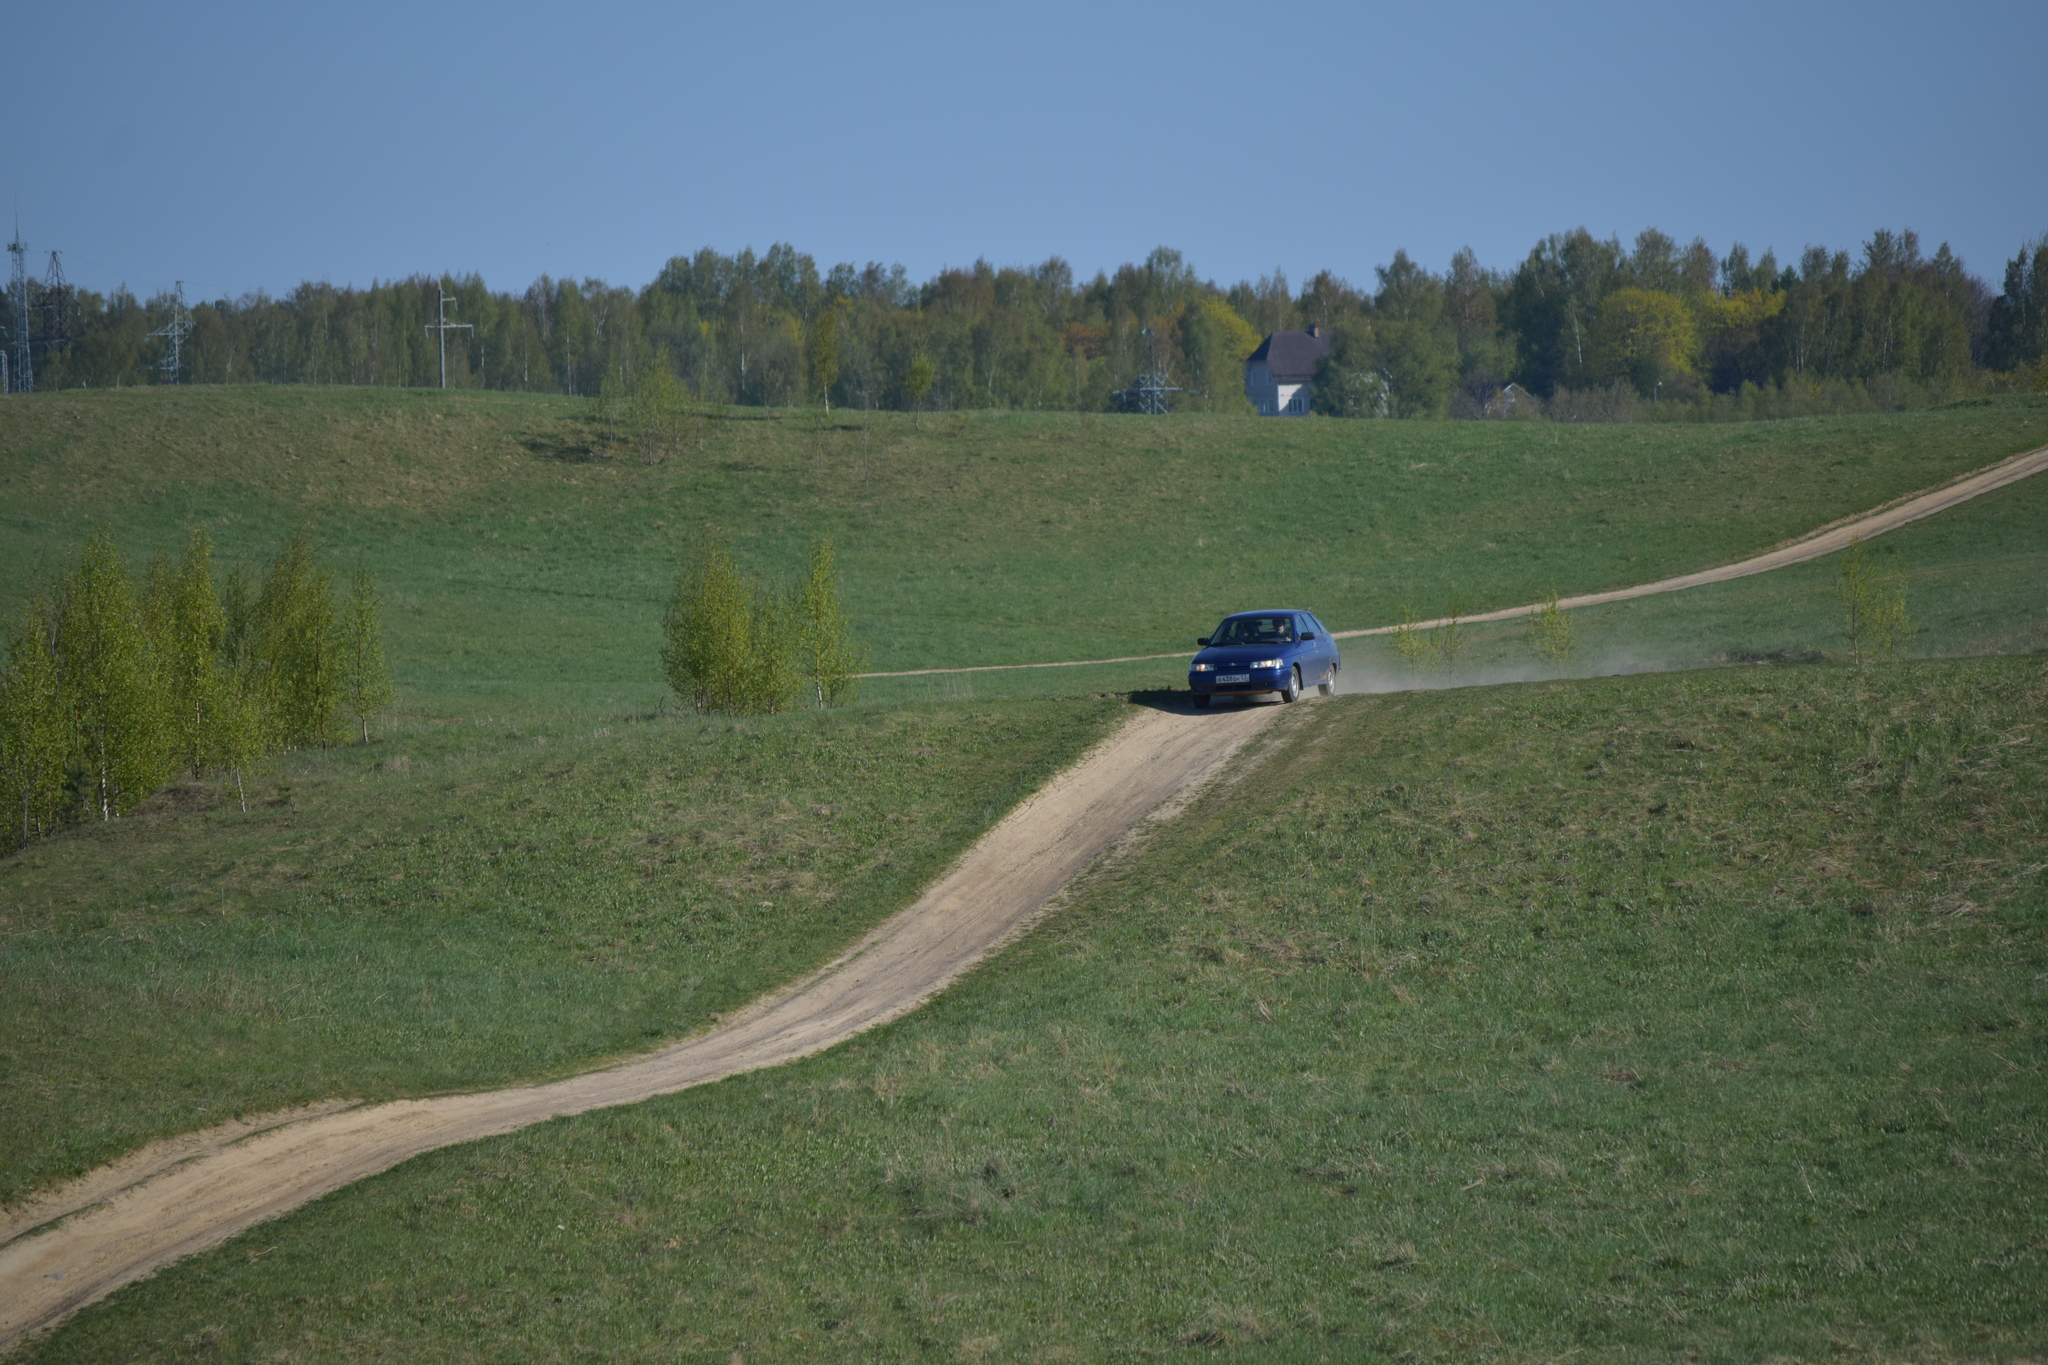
1292, 692
1328, 686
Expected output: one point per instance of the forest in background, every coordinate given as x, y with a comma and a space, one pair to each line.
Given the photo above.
1582, 329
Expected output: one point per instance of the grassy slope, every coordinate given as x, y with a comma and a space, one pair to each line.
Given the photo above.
1976, 581
524, 578
514, 903
1684, 1016
524, 570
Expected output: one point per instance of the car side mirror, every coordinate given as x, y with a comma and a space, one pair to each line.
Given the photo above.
1307, 635
1203, 642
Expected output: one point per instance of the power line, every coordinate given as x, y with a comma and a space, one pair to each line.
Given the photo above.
175, 331
444, 327
21, 376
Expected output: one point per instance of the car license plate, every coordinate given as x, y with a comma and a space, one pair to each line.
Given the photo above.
1233, 677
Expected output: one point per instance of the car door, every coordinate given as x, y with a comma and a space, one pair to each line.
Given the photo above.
1305, 654
1325, 651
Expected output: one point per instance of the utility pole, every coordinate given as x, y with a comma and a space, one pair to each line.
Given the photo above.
21, 374
444, 327
174, 332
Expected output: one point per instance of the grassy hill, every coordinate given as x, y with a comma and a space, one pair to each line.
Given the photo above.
1240, 1092
325, 943
1686, 1016
525, 564
478, 905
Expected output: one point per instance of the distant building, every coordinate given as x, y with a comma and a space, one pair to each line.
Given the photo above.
1278, 376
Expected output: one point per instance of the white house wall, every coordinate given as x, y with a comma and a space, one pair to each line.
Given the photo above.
1274, 399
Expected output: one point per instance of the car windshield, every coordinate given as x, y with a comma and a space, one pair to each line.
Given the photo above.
1254, 630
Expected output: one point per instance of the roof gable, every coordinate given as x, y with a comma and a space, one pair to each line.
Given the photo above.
1292, 356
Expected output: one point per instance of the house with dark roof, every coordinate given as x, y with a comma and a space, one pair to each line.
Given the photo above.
1278, 377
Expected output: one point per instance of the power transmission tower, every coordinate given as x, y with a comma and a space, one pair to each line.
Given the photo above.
57, 303
1148, 394
444, 327
21, 374
174, 332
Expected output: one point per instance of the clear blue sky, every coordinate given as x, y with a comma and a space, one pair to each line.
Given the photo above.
248, 145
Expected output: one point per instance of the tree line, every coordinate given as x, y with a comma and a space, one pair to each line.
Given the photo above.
111, 689
1651, 320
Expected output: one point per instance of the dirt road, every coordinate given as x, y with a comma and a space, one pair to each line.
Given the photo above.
190, 1193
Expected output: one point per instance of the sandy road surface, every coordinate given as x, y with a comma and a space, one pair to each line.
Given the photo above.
190, 1193
1825, 541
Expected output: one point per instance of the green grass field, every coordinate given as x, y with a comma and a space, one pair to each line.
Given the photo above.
525, 566
1976, 582
1622, 952
1692, 1016
515, 902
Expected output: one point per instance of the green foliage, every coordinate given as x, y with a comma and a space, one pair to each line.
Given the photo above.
827, 657
821, 353
1410, 641
189, 627
122, 745
296, 651
1874, 612
1398, 360
2018, 322
365, 677
1645, 337
658, 414
707, 646
918, 380
35, 731
772, 330
1551, 634
106, 695
1441, 646
739, 644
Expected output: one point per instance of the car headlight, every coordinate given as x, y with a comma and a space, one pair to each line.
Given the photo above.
1266, 663
1201, 668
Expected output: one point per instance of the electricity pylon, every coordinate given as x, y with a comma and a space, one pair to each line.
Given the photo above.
175, 331
21, 376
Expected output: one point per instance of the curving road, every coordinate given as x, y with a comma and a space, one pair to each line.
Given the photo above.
87, 1239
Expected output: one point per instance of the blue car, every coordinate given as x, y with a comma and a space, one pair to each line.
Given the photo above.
1253, 652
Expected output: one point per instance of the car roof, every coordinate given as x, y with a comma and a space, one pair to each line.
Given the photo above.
1269, 611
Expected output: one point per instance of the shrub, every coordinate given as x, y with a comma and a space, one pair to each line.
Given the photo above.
1873, 607
734, 644
1551, 634
105, 695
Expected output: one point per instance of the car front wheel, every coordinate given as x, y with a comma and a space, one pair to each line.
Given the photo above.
1201, 700
1292, 692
